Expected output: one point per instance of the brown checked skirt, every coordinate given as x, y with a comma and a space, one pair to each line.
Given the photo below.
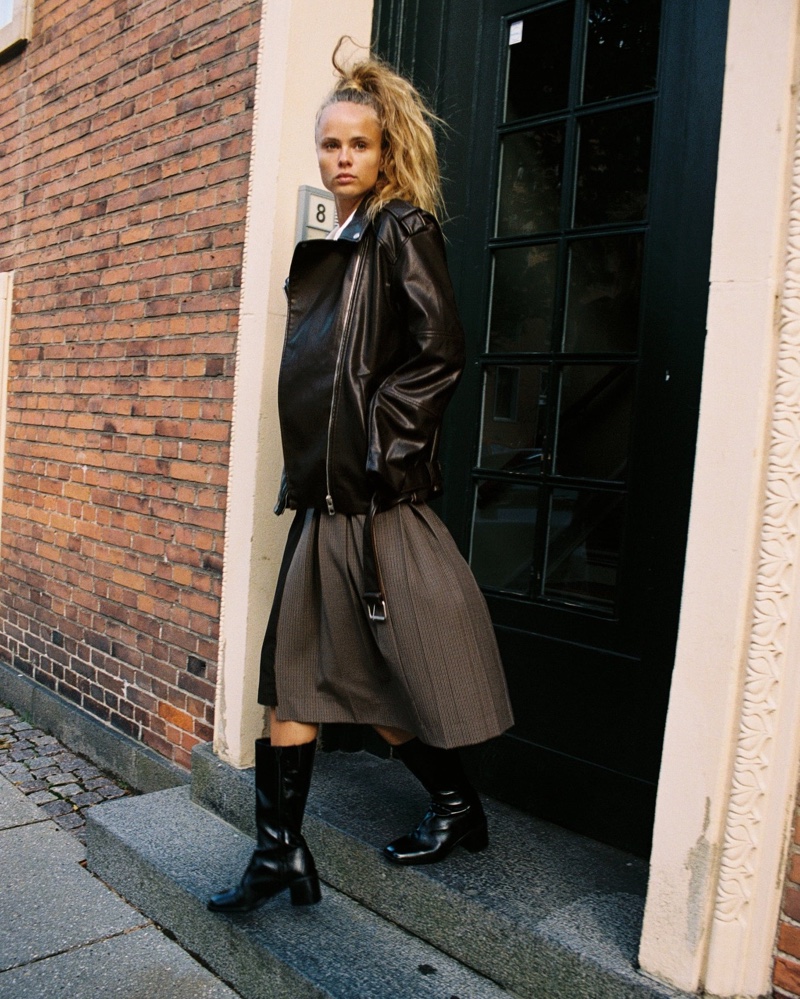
431, 668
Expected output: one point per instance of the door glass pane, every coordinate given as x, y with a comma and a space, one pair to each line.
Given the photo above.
584, 542
530, 180
503, 535
594, 419
605, 276
613, 166
523, 293
565, 298
621, 48
514, 400
538, 62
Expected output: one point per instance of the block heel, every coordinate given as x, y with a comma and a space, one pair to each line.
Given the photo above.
477, 840
305, 892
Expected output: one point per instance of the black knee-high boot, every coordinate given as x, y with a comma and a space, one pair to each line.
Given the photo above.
281, 859
455, 816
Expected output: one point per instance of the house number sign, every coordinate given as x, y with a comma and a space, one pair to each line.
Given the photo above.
316, 213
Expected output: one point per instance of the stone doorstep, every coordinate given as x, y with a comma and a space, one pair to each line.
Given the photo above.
166, 855
544, 912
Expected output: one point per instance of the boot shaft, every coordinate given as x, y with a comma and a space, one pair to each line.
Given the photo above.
440, 771
283, 778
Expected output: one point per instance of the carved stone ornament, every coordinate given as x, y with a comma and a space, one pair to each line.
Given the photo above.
779, 553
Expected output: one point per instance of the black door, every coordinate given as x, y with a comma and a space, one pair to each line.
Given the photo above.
580, 159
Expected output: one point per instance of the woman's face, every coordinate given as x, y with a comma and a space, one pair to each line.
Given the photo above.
349, 153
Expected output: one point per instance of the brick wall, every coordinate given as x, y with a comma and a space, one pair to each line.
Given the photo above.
124, 150
787, 958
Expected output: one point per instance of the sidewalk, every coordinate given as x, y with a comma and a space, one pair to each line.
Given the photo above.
63, 933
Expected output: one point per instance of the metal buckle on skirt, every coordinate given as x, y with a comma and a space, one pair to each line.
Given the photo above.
374, 596
376, 606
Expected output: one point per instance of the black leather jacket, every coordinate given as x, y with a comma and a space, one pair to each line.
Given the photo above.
373, 352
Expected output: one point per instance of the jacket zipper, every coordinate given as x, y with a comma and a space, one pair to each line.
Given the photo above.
337, 376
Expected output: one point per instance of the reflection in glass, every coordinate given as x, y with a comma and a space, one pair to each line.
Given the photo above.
513, 431
613, 166
6, 12
538, 63
605, 276
523, 290
583, 547
594, 420
621, 48
503, 535
530, 180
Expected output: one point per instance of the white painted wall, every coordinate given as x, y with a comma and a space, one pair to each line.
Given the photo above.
294, 75
708, 924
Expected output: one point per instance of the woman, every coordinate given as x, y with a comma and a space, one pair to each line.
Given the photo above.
376, 618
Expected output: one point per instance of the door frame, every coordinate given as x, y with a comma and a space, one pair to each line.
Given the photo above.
624, 658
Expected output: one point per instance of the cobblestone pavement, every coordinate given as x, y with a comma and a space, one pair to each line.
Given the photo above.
62, 784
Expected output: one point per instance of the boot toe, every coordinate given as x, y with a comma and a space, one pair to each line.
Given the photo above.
232, 900
405, 851
435, 839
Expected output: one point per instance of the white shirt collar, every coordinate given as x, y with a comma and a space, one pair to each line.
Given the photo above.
337, 232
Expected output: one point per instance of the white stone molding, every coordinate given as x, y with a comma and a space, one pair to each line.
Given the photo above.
731, 752
294, 73
766, 761
238, 718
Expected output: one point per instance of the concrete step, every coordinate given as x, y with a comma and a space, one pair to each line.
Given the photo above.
166, 855
543, 912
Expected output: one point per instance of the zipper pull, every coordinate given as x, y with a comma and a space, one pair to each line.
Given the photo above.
329, 502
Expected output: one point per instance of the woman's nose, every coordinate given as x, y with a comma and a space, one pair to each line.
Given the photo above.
344, 155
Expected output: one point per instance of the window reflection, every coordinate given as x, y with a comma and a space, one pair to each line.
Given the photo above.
584, 543
605, 277
613, 166
523, 291
514, 408
503, 535
594, 421
538, 63
529, 199
621, 48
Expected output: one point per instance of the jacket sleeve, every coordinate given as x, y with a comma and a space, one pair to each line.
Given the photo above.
407, 409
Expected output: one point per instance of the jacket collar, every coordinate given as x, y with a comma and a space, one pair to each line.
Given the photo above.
358, 224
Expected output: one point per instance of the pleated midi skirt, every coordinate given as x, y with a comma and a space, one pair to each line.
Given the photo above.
431, 668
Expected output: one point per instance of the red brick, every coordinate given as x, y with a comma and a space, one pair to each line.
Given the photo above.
789, 939
181, 719
127, 251
787, 975
791, 903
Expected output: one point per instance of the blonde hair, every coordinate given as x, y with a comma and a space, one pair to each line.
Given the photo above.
410, 169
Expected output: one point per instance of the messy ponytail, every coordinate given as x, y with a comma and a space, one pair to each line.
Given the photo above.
410, 168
